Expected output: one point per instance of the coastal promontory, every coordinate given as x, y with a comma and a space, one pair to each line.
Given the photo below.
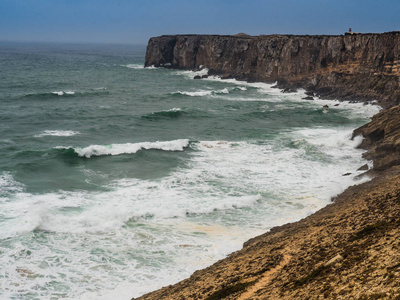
353, 67
350, 248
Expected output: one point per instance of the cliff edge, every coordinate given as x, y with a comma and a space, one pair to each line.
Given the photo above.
359, 67
350, 248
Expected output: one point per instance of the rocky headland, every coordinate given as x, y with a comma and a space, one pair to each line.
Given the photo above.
360, 66
350, 248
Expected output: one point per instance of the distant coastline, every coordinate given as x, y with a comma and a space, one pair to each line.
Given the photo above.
362, 67
349, 249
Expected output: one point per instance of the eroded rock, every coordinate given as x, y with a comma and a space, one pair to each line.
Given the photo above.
363, 66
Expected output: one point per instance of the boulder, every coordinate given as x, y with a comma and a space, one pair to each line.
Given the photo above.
363, 168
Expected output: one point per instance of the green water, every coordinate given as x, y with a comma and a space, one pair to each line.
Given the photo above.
116, 180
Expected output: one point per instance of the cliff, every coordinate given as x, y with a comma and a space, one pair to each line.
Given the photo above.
349, 249
355, 67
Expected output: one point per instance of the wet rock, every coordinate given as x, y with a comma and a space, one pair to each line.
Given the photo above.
308, 98
289, 90
197, 77
363, 168
382, 139
227, 77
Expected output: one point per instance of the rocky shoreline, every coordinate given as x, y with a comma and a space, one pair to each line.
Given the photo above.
350, 248
361, 67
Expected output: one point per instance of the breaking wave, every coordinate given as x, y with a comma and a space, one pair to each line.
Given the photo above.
133, 66
66, 93
129, 148
165, 114
202, 93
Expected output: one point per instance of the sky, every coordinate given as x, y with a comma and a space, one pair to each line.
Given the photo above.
135, 21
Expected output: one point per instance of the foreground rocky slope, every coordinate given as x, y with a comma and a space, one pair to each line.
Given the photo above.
349, 249
361, 67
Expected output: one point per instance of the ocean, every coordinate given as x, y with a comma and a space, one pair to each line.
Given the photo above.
116, 180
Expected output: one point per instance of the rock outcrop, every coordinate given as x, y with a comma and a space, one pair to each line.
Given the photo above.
382, 139
350, 248
355, 67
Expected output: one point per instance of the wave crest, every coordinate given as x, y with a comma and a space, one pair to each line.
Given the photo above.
133, 66
165, 114
130, 148
202, 93
67, 93
57, 133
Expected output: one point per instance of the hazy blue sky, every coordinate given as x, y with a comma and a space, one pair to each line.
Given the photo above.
135, 21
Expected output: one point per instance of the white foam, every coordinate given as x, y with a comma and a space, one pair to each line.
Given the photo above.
218, 178
61, 93
191, 74
182, 222
57, 133
7, 141
139, 235
202, 93
8, 184
152, 67
134, 66
130, 148
354, 109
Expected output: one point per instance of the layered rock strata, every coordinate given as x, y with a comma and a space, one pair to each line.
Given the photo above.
354, 67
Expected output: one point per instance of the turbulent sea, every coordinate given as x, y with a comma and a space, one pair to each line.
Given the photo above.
116, 180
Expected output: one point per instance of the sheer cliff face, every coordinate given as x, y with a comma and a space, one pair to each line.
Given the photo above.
357, 67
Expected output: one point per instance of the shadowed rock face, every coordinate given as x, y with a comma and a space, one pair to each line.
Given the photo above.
382, 139
354, 67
